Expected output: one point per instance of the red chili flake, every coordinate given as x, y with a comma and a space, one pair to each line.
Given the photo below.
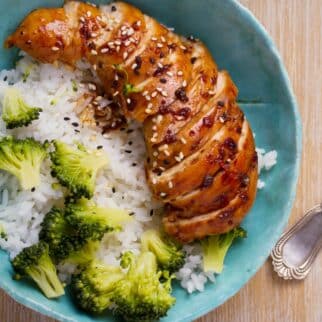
220, 104
152, 60
163, 109
170, 137
230, 144
221, 201
238, 129
184, 112
207, 181
208, 121
243, 196
244, 180
172, 46
161, 70
181, 95
192, 133
161, 54
163, 80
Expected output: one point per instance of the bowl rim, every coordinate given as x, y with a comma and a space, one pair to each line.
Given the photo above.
209, 306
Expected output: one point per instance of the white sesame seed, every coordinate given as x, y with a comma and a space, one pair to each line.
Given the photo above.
94, 34
164, 94
116, 93
123, 27
160, 65
221, 119
155, 153
163, 39
88, 13
99, 18
211, 92
135, 65
150, 105
92, 87
154, 94
132, 39
159, 89
154, 39
94, 66
166, 152
118, 42
130, 32
82, 19
125, 55
162, 194
154, 164
154, 120
94, 52
147, 111
138, 23
54, 48
184, 83
104, 50
183, 47
159, 118
148, 97
116, 77
177, 159
145, 93
98, 98
154, 128
181, 155
180, 73
118, 48
124, 32
159, 45
111, 43
162, 169
127, 43
154, 180
170, 184
183, 140
170, 74
128, 101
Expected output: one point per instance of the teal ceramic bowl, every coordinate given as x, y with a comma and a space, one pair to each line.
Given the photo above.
240, 45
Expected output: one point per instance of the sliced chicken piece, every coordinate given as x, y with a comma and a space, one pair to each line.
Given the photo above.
201, 158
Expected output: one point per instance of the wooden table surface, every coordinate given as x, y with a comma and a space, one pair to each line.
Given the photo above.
295, 25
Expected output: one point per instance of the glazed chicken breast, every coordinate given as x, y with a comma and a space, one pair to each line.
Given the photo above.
201, 159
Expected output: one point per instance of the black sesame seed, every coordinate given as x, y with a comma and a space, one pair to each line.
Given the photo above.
122, 129
128, 151
99, 147
77, 131
75, 124
33, 189
113, 190
66, 118
113, 9
193, 60
129, 131
151, 212
131, 213
130, 143
134, 164
163, 80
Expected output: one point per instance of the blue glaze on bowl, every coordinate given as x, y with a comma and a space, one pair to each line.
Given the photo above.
240, 45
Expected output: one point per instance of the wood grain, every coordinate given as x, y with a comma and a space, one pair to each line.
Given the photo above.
295, 25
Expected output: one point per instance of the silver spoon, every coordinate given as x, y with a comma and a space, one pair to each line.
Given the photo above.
297, 248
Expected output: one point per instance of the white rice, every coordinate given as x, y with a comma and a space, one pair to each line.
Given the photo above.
21, 212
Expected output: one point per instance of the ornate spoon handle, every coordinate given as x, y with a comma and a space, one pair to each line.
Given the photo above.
297, 248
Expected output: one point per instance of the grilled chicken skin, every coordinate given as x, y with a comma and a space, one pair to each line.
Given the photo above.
201, 156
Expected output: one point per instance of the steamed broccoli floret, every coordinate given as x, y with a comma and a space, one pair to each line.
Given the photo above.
76, 168
15, 112
170, 256
22, 158
84, 255
58, 234
93, 288
35, 263
92, 221
141, 296
215, 249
